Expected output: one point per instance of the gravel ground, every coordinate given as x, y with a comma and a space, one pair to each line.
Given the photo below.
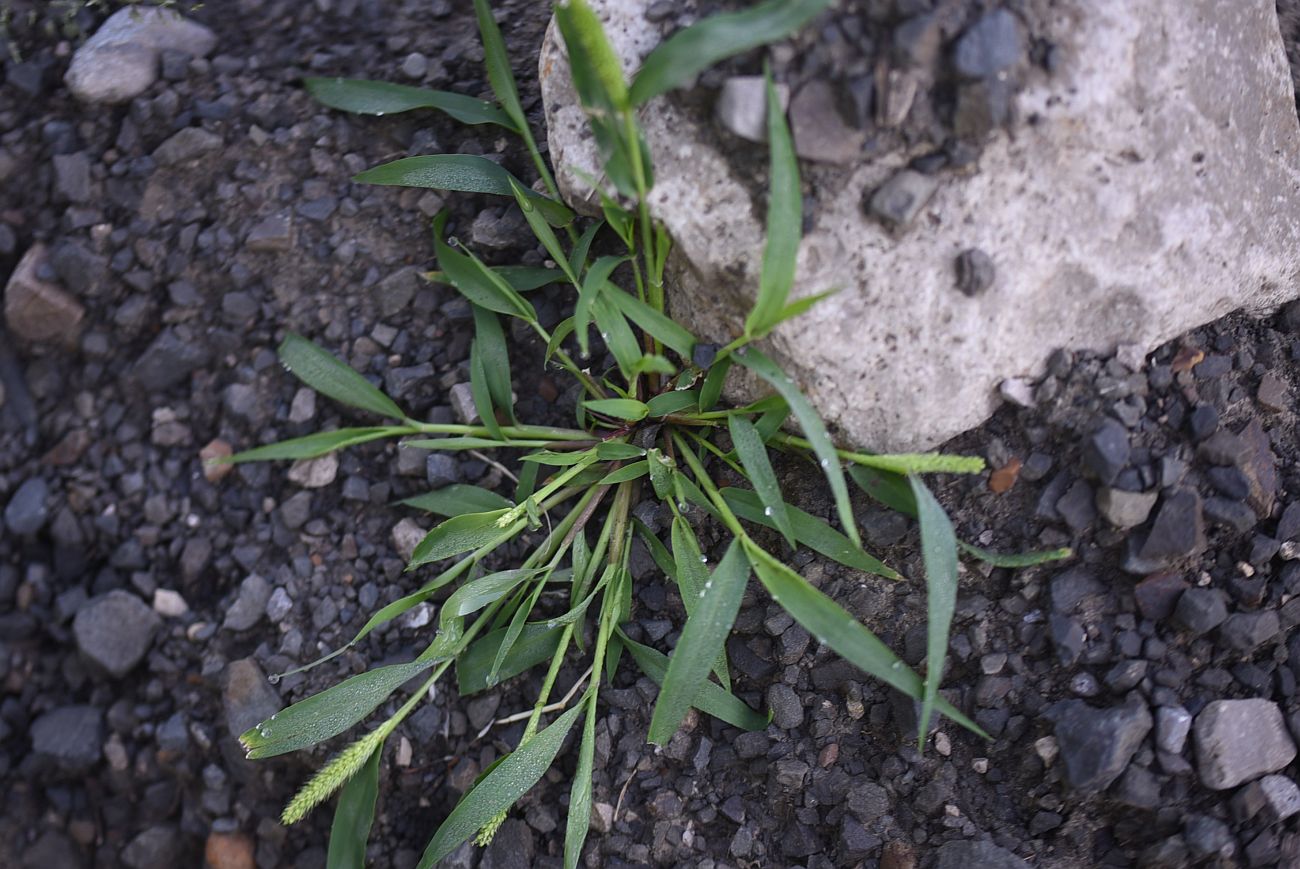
1141, 697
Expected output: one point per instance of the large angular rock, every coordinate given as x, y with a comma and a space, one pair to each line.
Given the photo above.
1096, 745
1155, 190
39, 311
120, 61
1240, 740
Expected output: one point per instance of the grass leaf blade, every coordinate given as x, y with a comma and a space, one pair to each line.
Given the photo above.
579, 816
497, 62
814, 430
354, 816
330, 376
784, 223
669, 333
939, 553
456, 499
460, 534
700, 644
314, 445
463, 173
365, 97
753, 456
700, 46
710, 698
509, 780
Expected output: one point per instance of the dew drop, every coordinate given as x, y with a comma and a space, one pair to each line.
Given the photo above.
897, 665
273, 717
767, 511
708, 584
263, 732
821, 641
825, 463
701, 594
704, 559
683, 506
274, 678
551, 625
379, 114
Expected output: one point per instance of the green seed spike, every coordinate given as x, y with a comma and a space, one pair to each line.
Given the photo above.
332, 777
484, 837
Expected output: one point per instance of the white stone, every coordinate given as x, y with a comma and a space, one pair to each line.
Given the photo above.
120, 61
742, 106
462, 403
303, 407
1155, 190
407, 534
1240, 740
167, 602
315, 473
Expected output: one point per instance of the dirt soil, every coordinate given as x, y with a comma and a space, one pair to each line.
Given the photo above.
1173, 478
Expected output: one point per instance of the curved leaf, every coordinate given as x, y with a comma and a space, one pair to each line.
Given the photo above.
939, 553
535, 643
464, 173
753, 456
365, 97
456, 499
329, 376
784, 223
619, 408
513, 777
314, 445
700, 644
475, 281
328, 713
460, 534
700, 46
710, 698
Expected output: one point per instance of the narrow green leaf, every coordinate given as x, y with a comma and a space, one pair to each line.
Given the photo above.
921, 463
579, 816
674, 401
460, 534
831, 624
561, 331
772, 419
542, 230
888, 488
329, 376
470, 443
713, 381
497, 62
535, 643
619, 408
691, 51
597, 73
668, 332
939, 553
558, 459
457, 499
475, 281
710, 698
626, 474
582, 248
354, 816
810, 531
651, 363
1019, 559
463, 173
499, 789
329, 713
784, 223
396, 608
661, 473
799, 307
617, 451
525, 279
692, 577
318, 444
481, 392
478, 593
701, 642
619, 218
753, 456
364, 97
813, 428
491, 341
613, 654
595, 280
617, 334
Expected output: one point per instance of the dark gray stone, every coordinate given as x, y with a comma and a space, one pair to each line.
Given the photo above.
968, 855
1201, 610
114, 631
1231, 482
787, 708
1097, 744
1245, 632
1077, 507
187, 144
169, 360
975, 274
1203, 421
1222, 448
1139, 788
247, 696
158, 847
990, 46
249, 605
901, 198
441, 470
26, 512
1228, 513
1178, 530
1208, 837
69, 738
1106, 451
72, 176
1068, 638
1239, 740
273, 233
